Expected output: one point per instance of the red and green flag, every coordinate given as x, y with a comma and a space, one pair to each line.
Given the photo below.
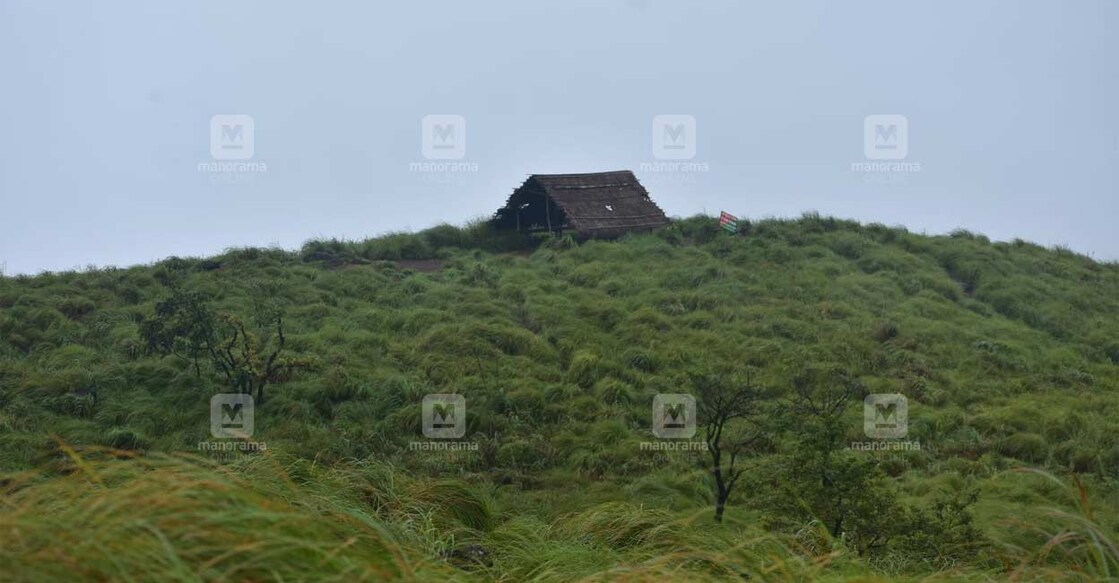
728, 222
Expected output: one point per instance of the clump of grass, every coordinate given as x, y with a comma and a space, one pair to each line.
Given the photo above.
1065, 545
174, 518
885, 331
1028, 447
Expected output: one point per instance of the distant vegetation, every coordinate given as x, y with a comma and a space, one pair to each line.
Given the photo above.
1008, 354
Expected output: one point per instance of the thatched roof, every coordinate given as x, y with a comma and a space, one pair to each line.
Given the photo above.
599, 205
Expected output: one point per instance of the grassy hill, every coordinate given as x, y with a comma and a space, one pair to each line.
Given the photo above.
1008, 354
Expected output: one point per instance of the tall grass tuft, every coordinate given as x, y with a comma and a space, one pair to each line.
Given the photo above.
181, 518
1065, 545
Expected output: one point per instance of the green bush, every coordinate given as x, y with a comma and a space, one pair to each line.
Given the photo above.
75, 307
125, 438
585, 369
1028, 447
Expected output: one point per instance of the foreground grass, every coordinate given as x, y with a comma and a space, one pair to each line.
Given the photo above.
118, 516
184, 519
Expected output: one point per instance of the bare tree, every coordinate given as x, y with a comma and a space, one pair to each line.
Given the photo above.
250, 362
727, 409
249, 358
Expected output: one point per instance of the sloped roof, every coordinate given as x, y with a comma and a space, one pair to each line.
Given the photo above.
602, 204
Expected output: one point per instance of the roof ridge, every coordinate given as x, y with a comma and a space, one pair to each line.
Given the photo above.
569, 175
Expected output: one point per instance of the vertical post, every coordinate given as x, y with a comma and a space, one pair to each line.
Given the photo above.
548, 213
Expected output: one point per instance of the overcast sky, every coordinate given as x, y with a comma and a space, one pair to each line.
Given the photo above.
107, 108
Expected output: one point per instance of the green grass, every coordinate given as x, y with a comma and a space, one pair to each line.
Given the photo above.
1007, 352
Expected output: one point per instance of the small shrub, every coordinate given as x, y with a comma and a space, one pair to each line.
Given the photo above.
74, 307
1111, 351
848, 245
699, 229
614, 392
1028, 447
560, 243
397, 246
520, 454
479, 273
885, 331
585, 369
125, 438
640, 359
445, 235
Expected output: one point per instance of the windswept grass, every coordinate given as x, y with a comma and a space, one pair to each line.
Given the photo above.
181, 518
1059, 544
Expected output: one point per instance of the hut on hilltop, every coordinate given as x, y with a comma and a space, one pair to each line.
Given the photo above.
602, 205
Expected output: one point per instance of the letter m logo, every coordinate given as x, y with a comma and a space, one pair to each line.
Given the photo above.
232, 135
885, 416
886, 136
675, 136
443, 137
443, 134
233, 415
675, 415
443, 415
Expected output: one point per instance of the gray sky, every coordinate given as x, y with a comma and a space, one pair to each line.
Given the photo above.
106, 111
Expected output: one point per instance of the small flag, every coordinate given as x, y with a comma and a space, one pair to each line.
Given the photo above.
728, 222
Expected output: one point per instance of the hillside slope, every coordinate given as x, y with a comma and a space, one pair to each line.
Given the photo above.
1008, 354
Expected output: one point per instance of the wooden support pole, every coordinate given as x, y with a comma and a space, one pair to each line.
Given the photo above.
548, 212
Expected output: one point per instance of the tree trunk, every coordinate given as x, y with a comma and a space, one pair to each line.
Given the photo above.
721, 493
